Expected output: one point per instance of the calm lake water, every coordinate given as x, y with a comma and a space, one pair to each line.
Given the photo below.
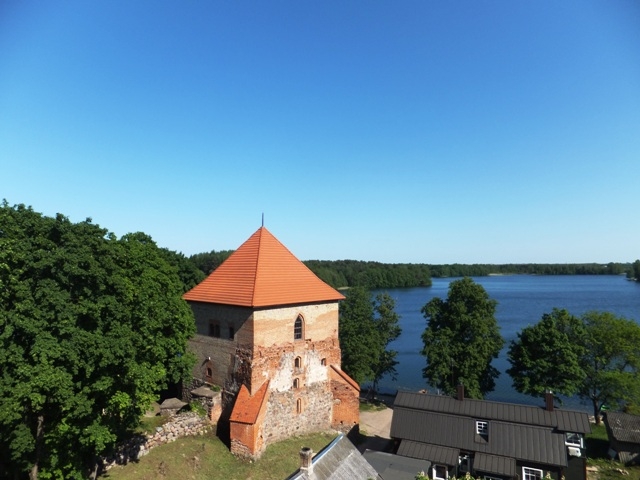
522, 300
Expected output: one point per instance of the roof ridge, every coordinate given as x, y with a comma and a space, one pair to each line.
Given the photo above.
257, 268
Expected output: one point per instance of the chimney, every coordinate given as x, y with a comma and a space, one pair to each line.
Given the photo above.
306, 454
460, 392
548, 400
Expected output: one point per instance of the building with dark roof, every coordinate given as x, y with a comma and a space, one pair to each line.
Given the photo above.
493, 440
339, 460
623, 430
267, 334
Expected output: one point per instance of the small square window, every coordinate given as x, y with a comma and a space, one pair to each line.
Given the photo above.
482, 428
573, 439
439, 472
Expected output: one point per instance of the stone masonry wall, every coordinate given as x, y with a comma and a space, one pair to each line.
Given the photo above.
181, 425
282, 419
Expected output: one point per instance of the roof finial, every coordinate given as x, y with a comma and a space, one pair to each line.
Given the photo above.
263, 219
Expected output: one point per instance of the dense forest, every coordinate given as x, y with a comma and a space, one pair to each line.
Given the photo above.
373, 275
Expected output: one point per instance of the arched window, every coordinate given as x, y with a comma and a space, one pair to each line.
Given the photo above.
298, 362
296, 383
208, 371
299, 405
323, 362
298, 328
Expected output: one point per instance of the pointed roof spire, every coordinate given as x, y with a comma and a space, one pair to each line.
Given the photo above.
262, 272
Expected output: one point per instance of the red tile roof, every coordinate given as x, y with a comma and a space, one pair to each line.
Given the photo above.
247, 408
262, 272
345, 378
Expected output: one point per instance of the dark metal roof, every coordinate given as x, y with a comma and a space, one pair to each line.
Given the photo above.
495, 464
624, 427
522, 442
563, 420
433, 453
395, 467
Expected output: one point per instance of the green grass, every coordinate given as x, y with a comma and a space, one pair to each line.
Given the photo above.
206, 457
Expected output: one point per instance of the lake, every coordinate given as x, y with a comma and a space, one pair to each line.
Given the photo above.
522, 300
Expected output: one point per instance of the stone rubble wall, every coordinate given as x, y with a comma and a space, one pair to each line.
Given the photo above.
181, 425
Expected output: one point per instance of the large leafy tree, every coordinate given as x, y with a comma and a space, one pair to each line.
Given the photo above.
91, 327
387, 326
596, 357
461, 339
611, 361
367, 326
547, 355
358, 337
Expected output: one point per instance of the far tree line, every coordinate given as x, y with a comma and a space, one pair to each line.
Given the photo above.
595, 356
376, 275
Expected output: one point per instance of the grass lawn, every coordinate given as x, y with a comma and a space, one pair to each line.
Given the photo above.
206, 457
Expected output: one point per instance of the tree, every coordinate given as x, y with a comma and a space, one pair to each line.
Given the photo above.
547, 355
189, 273
208, 262
634, 271
367, 327
388, 329
91, 327
461, 339
611, 361
357, 333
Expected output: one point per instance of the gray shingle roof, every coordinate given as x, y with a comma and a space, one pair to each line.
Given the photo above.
563, 420
339, 460
624, 427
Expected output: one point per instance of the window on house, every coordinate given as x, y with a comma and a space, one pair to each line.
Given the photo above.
214, 330
298, 362
482, 428
573, 439
439, 472
297, 328
299, 405
232, 333
531, 473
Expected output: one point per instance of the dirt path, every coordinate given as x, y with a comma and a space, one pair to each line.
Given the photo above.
375, 427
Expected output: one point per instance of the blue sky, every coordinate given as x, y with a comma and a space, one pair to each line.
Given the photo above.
410, 131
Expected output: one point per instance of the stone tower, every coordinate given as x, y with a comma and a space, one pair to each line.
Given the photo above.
267, 334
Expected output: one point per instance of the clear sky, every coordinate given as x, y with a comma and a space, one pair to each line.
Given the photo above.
404, 131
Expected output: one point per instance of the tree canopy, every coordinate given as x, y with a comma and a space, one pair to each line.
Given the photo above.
386, 324
547, 356
596, 357
461, 339
367, 327
611, 361
91, 328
